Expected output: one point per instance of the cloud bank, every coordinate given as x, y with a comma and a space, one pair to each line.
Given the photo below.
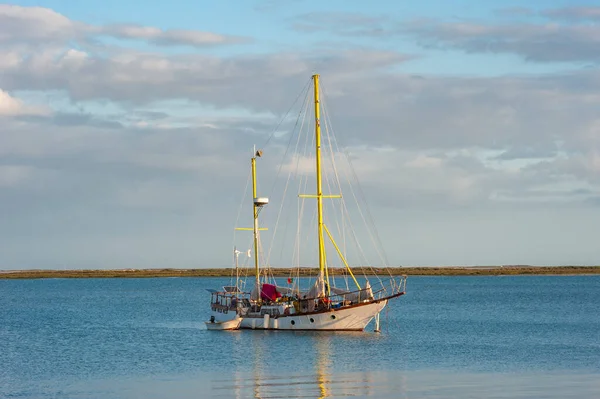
121, 150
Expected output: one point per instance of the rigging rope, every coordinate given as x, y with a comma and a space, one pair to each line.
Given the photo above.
371, 230
304, 89
304, 112
237, 219
332, 182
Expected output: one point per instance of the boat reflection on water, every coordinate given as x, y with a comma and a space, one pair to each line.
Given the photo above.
322, 366
259, 379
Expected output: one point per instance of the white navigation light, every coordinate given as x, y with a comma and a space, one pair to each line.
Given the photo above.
261, 201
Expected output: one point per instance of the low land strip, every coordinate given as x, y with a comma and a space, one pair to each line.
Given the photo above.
285, 272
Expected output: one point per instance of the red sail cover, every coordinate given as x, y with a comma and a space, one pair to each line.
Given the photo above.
269, 292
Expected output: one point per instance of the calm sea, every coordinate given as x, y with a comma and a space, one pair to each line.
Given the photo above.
449, 337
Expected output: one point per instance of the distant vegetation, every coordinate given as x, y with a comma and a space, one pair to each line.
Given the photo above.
284, 272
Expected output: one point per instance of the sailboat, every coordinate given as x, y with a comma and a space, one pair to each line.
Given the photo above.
322, 306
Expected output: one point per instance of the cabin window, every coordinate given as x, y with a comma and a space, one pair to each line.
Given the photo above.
312, 320
292, 322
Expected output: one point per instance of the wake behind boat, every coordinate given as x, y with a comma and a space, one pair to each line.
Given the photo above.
322, 305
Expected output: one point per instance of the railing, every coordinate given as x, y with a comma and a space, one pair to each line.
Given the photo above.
335, 301
393, 287
222, 302
386, 289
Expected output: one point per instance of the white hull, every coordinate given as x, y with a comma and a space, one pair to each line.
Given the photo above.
231, 324
353, 318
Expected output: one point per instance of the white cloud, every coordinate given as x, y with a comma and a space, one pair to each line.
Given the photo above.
38, 25
548, 42
11, 106
35, 24
168, 37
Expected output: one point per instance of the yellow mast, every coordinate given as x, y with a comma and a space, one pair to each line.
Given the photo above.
322, 265
257, 204
323, 273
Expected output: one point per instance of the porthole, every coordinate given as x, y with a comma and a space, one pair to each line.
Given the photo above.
292, 322
332, 317
312, 320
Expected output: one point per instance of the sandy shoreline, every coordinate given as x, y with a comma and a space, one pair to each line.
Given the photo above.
284, 272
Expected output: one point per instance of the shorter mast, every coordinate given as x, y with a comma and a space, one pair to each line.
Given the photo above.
255, 218
257, 204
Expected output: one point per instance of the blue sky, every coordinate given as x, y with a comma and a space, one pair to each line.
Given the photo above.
474, 125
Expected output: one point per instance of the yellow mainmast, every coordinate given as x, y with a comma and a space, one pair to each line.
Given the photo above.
323, 273
322, 266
